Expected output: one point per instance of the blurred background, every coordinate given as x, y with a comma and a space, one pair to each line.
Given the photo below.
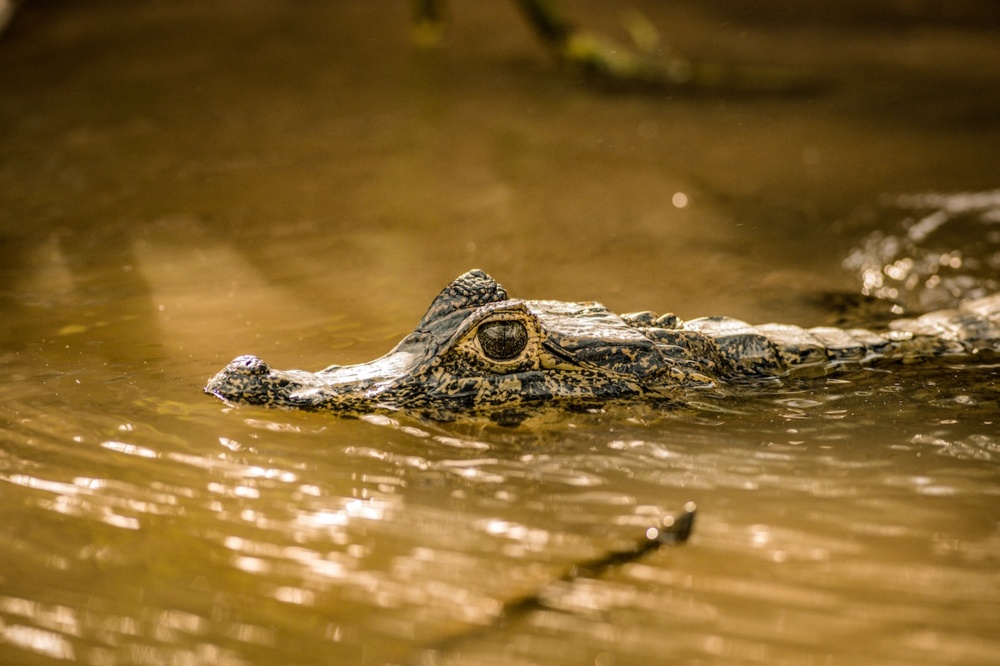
313, 144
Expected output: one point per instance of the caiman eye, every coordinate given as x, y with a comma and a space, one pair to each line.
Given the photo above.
502, 340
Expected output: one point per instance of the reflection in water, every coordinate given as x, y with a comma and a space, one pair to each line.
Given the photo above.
167, 529
297, 185
946, 249
49, 643
290, 534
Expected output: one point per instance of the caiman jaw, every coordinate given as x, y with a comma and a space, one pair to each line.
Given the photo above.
350, 388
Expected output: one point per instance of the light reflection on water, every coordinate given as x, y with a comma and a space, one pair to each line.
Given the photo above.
944, 248
292, 534
304, 198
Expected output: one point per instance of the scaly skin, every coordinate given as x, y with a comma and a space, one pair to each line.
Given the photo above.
476, 351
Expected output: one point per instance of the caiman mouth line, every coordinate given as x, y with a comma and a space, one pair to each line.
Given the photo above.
477, 351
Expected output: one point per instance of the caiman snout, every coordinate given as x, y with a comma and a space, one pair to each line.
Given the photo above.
240, 381
250, 380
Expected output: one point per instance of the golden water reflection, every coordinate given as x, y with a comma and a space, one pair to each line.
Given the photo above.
298, 184
348, 520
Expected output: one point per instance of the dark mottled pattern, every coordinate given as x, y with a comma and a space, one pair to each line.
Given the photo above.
579, 355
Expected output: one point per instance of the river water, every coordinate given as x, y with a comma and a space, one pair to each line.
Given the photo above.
184, 182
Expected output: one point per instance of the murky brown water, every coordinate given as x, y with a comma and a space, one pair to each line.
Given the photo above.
182, 182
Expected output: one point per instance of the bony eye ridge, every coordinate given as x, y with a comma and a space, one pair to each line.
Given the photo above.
502, 340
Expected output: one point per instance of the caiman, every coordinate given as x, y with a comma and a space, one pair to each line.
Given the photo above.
478, 351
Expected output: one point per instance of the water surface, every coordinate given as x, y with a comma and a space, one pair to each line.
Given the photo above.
181, 183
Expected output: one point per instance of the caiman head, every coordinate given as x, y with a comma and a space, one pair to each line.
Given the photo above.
476, 351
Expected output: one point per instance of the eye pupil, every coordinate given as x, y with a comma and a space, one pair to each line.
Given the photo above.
503, 340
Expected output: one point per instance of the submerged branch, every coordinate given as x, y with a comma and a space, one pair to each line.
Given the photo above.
672, 531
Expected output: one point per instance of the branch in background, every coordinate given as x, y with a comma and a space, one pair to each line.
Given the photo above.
428, 23
7, 9
644, 64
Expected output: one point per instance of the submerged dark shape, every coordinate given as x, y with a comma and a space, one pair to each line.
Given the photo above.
477, 351
672, 531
